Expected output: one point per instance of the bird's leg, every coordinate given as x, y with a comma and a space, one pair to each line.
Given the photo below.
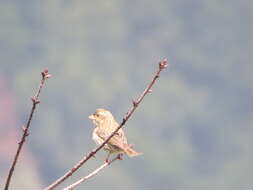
120, 156
107, 158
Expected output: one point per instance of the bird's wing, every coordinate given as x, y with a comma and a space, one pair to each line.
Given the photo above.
118, 139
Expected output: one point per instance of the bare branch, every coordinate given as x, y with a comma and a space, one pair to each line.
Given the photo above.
162, 65
72, 186
35, 100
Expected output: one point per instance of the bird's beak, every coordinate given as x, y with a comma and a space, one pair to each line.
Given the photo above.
91, 117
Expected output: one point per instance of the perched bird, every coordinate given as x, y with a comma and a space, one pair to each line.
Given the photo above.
105, 125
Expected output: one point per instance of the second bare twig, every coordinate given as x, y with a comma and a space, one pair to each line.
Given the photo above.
72, 186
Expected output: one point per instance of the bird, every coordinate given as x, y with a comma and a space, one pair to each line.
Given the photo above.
105, 125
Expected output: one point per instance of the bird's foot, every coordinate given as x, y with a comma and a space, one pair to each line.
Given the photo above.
120, 156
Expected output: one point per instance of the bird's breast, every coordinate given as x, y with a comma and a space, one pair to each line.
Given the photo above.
96, 138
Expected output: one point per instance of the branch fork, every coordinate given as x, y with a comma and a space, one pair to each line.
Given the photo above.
83, 179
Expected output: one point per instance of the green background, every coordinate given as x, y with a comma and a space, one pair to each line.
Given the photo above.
195, 129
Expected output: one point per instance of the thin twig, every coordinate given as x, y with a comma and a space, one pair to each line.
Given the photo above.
162, 65
72, 186
35, 100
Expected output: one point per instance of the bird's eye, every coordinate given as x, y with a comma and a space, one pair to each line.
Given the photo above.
95, 114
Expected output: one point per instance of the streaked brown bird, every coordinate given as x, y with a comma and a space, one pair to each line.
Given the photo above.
105, 125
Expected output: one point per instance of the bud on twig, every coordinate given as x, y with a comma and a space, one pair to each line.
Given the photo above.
45, 74
35, 100
163, 64
135, 103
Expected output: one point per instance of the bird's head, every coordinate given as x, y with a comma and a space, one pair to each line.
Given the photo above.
100, 116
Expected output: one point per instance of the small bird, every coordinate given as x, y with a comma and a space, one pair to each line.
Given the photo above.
105, 125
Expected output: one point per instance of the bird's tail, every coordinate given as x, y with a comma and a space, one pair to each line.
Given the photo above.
131, 152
